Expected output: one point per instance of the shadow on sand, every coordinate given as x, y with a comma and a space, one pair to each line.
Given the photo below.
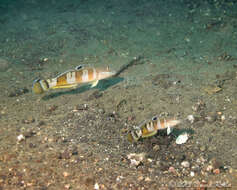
103, 85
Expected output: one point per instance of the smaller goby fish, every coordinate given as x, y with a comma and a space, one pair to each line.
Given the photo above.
72, 78
150, 128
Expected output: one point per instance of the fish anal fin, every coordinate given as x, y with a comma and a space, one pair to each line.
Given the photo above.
65, 86
149, 134
94, 83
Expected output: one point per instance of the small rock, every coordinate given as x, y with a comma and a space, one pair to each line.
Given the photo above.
212, 89
40, 123
67, 186
66, 174
182, 138
95, 95
147, 179
96, 186
216, 164
211, 117
29, 134
140, 178
28, 120
121, 104
191, 118
65, 155
101, 111
172, 170
216, 171
185, 164
20, 138
209, 168
192, 174
156, 147
18, 92
80, 107
202, 148
200, 105
136, 159
222, 118
118, 178
51, 109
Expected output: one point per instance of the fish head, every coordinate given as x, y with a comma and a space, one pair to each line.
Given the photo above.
40, 86
105, 73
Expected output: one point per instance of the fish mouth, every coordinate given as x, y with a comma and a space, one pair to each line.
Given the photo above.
40, 86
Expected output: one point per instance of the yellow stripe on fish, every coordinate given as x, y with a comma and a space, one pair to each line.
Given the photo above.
150, 128
72, 78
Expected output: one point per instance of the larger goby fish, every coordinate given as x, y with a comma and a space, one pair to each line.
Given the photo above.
72, 78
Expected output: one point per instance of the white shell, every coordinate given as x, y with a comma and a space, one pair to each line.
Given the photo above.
96, 186
20, 137
191, 118
182, 138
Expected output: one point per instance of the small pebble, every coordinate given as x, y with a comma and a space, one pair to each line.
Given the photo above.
172, 169
185, 164
182, 138
190, 118
211, 117
209, 168
20, 137
202, 148
192, 174
136, 159
222, 118
149, 160
216, 171
118, 179
147, 179
140, 178
67, 186
101, 111
156, 147
65, 174
96, 186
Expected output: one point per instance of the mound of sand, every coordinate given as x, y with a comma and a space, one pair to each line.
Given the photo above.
4, 64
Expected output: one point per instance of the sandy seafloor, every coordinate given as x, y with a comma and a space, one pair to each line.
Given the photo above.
77, 139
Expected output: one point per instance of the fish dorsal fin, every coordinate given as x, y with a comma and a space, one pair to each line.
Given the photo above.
61, 74
79, 67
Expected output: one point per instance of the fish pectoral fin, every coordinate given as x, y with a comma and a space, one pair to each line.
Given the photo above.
65, 86
149, 134
94, 83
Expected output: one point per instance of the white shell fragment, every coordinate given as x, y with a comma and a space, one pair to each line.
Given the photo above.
136, 159
182, 138
20, 137
191, 118
96, 186
185, 164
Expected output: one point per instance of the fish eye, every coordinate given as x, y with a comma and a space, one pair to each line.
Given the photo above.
78, 67
154, 118
36, 80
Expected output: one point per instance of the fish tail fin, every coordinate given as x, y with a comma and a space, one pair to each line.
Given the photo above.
174, 122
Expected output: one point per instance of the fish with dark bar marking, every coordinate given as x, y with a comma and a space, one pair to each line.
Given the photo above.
150, 128
72, 78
